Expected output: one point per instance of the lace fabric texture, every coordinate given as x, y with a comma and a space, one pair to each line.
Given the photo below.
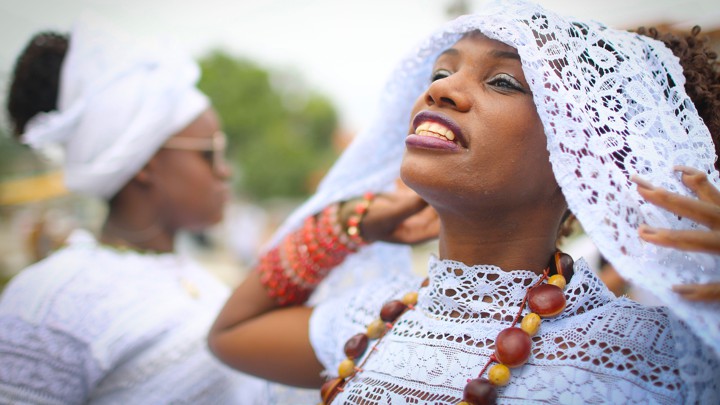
95, 325
599, 350
612, 104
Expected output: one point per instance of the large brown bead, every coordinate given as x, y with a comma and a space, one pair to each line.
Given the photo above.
546, 300
512, 347
480, 392
329, 390
562, 263
356, 346
392, 310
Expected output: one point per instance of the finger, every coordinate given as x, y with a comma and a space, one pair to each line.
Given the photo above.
420, 227
696, 241
699, 292
698, 182
699, 211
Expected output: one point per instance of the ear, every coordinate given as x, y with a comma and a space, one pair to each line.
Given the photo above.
146, 176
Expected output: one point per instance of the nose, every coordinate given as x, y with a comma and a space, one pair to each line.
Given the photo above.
223, 170
449, 92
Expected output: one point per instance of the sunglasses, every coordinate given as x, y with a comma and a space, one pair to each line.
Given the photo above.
213, 149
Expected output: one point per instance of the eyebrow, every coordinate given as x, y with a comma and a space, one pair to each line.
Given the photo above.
449, 51
505, 54
496, 53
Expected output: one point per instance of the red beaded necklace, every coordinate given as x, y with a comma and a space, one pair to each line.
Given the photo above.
512, 345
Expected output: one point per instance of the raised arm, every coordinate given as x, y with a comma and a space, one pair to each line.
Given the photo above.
262, 330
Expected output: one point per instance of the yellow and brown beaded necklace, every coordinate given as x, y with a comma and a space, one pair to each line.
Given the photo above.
512, 344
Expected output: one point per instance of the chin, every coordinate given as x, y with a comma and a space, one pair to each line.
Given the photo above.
422, 178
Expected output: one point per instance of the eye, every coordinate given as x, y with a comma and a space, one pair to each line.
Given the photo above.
208, 155
440, 74
507, 82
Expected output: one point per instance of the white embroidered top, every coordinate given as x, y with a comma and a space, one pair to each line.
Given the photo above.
91, 324
599, 350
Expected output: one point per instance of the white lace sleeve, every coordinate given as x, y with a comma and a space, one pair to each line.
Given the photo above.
33, 372
698, 364
336, 320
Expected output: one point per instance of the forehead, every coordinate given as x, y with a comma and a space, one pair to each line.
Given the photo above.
477, 44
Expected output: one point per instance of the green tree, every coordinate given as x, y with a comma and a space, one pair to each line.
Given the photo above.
17, 160
279, 132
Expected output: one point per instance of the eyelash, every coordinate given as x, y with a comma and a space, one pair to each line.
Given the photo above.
440, 74
509, 82
501, 80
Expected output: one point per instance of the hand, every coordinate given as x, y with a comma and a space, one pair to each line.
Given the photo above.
699, 292
398, 217
705, 210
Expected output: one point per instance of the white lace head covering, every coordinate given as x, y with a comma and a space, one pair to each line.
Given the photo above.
119, 100
612, 104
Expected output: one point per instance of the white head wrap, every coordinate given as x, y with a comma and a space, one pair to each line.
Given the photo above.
119, 101
612, 104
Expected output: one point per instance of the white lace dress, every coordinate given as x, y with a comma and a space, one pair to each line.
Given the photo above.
95, 325
599, 350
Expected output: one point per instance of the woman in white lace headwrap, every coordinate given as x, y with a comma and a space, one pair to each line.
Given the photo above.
515, 114
121, 319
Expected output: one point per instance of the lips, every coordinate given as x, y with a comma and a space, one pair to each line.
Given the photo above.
438, 126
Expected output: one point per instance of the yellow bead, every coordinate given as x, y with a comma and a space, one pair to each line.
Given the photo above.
557, 280
499, 374
531, 323
463, 403
346, 368
376, 329
410, 298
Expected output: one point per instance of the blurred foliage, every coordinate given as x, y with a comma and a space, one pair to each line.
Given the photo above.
280, 133
17, 160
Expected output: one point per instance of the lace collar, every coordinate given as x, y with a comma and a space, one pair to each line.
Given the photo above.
484, 293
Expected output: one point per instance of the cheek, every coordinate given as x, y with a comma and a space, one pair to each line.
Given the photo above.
193, 196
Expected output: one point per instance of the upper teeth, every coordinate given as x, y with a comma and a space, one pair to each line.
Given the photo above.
435, 129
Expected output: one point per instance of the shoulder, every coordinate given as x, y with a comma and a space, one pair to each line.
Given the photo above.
650, 348
31, 293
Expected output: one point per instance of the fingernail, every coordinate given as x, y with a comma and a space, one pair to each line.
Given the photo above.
647, 230
641, 182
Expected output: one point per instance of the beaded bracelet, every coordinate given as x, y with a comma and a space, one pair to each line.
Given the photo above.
291, 271
353, 222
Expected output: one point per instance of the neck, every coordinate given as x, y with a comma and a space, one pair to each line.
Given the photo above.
526, 244
136, 227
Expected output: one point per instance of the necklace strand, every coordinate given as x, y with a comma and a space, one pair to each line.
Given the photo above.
512, 345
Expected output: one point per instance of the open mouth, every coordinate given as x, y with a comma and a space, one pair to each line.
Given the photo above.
439, 126
444, 131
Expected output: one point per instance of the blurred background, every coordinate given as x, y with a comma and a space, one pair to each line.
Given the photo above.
293, 81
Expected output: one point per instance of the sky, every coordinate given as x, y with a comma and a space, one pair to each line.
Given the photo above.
343, 48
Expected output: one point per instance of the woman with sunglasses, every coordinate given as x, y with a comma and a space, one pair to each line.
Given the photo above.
121, 318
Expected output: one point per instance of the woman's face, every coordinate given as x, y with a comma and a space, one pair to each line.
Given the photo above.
475, 140
191, 190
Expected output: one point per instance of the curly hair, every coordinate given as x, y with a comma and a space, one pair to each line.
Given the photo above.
35, 80
702, 76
